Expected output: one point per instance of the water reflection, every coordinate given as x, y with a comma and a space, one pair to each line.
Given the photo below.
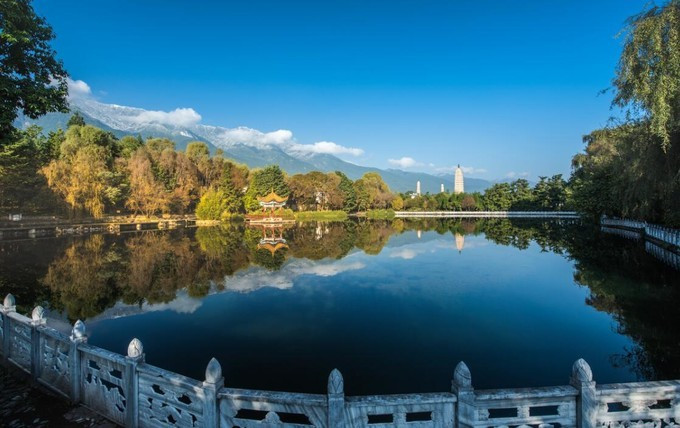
106, 276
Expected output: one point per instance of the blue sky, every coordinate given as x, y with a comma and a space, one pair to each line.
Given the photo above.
504, 88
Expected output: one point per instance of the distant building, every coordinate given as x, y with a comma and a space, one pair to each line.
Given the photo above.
442, 188
458, 183
418, 187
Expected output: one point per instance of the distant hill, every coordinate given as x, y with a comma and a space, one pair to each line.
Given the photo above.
121, 120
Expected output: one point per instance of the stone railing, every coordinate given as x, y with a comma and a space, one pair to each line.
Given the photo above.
659, 233
501, 214
133, 393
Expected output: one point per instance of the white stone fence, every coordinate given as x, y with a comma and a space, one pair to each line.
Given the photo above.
492, 214
133, 393
659, 233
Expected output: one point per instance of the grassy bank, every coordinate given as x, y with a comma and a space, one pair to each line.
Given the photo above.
321, 215
380, 214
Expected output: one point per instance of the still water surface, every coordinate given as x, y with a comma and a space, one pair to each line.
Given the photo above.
393, 305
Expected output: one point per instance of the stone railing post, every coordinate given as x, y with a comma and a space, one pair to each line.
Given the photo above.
135, 356
212, 384
461, 385
586, 402
336, 400
78, 336
9, 305
37, 321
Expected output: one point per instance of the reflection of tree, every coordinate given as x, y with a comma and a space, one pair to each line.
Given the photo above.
157, 266
84, 278
640, 293
316, 241
224, 250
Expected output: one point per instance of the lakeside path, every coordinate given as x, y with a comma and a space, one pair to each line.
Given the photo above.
22, 405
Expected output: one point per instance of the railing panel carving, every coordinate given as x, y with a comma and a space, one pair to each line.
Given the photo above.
403, 410
20, 341
132, 393
267, 409
167, 399
55, 348
103, 386
639, 404
534, 407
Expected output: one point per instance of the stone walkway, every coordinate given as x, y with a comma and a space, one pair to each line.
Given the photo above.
24, 406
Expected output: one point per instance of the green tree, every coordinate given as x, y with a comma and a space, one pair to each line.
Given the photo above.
264, 181
32, 80
349, 194
21, 184
76, 119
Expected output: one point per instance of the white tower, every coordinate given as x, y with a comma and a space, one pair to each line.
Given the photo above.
458, 183
442, 188
418, 187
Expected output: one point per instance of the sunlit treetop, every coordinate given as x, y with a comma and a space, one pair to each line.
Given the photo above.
648, 75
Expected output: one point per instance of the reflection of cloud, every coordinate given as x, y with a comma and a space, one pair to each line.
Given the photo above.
256, 278
183, 304
247, 281
405, 253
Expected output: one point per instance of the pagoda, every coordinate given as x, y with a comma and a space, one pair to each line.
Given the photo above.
271, 203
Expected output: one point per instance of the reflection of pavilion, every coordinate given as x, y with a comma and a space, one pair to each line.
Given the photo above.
272, 238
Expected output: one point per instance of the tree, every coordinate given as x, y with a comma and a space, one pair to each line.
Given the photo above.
147, 195
81, 179
264, 181
21, 184
76, 120
498, 197
348, 191
316, 190
373, 192
648, 74
397, 203
32, 80
197, 150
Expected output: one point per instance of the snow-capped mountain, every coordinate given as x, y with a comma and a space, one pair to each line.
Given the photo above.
245, 145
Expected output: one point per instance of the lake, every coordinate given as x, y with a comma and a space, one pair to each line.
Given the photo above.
393, 304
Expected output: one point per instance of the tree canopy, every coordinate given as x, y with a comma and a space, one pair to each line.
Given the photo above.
32, 80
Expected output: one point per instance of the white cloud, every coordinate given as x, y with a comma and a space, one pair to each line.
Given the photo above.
78, 88
176, 117
328, 147
472, 170
132, 119
513, 174
404, 162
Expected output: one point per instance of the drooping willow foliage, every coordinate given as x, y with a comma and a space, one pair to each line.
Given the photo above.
632, 168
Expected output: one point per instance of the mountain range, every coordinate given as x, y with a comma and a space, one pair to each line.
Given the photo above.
244, 145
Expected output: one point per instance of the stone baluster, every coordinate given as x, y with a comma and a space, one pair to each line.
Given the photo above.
461, 385
586, 402
135, 356
9, 305
212, 384
336, 400
37, 321
78, 336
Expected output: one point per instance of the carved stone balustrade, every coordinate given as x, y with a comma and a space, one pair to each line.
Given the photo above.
132, 393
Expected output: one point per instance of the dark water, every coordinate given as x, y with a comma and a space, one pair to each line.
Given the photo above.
393, 305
